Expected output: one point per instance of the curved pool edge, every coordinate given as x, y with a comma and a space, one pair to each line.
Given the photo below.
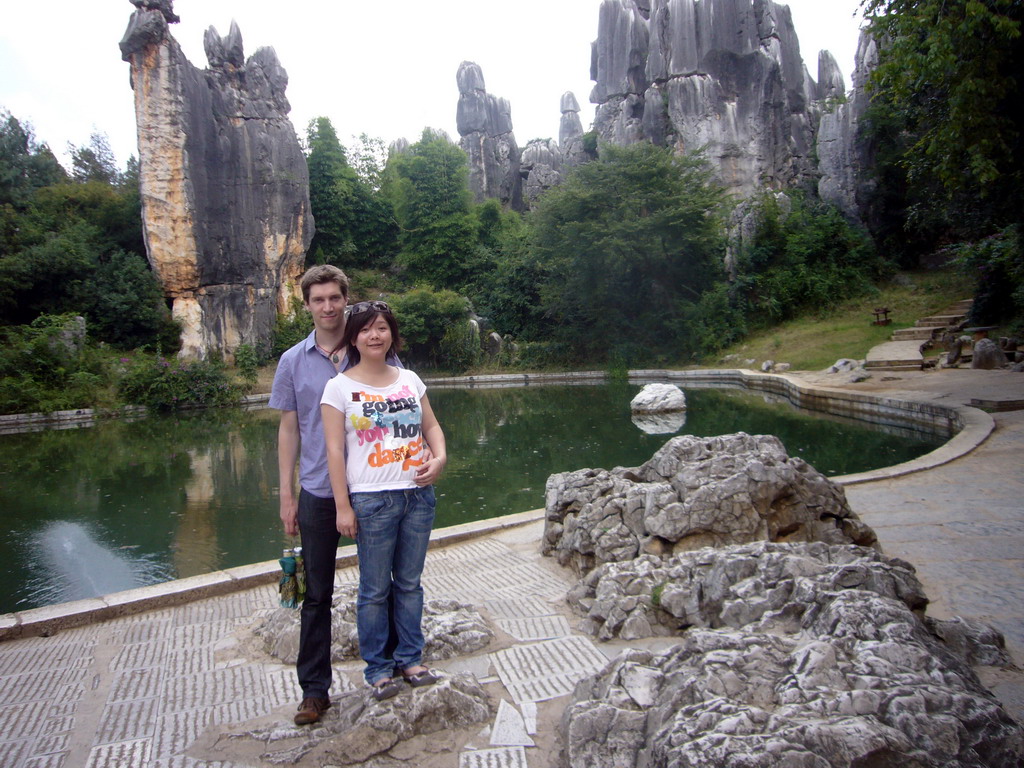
971, 427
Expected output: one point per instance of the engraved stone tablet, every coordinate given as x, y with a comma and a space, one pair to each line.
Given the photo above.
545, 670
506, 757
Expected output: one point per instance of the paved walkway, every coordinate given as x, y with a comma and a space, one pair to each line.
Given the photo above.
158, 688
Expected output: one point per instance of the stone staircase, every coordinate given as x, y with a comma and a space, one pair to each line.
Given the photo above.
904, 351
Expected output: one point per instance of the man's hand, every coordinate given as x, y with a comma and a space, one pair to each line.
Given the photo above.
290, 516
428, 472
346, 521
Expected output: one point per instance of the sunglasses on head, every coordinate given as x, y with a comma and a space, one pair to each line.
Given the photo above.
368, 306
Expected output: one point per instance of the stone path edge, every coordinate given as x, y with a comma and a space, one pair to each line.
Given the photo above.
971, 427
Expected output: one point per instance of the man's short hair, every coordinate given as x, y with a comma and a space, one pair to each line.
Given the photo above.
324, 273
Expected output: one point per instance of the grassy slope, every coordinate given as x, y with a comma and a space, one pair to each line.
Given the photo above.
813, 343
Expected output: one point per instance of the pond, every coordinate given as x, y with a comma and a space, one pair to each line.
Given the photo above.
91, 511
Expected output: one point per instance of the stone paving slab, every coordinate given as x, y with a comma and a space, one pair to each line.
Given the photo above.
546, 670
504, 757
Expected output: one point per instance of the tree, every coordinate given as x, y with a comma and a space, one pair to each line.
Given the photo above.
429, 188
952, 68
94, 162
331, 183
354, 223
626, 246
949, 99
25, 164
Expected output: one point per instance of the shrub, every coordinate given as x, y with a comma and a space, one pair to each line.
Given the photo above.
460, 347
167, 385
247, 361
48, 366
292, 328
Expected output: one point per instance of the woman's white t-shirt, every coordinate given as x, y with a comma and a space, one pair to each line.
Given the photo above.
383, 430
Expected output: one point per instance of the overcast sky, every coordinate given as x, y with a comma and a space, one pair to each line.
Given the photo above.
386, 69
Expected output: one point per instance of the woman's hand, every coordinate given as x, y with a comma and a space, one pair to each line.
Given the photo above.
428, 472
346, 521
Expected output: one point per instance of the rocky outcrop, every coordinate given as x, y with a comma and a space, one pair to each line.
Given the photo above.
843, 154
225, 190
790, 654
484, 123
450, 629
357, 730
694, 492
570, 132
540, 168
722, 74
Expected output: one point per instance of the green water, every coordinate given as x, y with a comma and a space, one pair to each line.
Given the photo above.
124, 504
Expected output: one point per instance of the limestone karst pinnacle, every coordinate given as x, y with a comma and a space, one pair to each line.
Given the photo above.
224, 184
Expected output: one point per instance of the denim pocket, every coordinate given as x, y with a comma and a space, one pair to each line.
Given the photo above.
368, 504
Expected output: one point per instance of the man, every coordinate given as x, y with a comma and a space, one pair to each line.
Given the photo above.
302, 373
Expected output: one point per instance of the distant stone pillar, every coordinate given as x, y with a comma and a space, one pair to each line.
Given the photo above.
224, 185
570, 132
485, 127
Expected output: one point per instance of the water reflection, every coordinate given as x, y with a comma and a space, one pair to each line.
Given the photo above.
66, 561
667, 423
177, 496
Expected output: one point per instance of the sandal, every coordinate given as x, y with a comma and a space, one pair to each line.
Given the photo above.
419, 679
385, 688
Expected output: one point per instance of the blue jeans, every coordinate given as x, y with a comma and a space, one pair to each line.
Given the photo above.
393, 533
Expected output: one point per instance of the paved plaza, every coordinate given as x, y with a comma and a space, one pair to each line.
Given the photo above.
167, 687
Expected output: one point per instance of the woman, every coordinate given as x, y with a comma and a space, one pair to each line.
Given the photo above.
377, 423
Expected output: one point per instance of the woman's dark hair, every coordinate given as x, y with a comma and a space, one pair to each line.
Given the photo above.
355, 323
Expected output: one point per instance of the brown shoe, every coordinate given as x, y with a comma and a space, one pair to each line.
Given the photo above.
311, 710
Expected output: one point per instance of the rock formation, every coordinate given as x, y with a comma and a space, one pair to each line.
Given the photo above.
843, 154
357, 730
225, 191
449, 629
484, 122
570, 132
726, 75
540, 168
694, 492
789, 654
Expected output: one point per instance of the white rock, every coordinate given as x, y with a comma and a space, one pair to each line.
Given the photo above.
658, 398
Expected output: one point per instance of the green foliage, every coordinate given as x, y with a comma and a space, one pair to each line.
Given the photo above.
25, 164
806, 259
946, 107
459, 349
47, 366
624, 248
354, 223
292, 328
94, 162
997, 264
428, 185
424, 317
247, 361
170, 385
